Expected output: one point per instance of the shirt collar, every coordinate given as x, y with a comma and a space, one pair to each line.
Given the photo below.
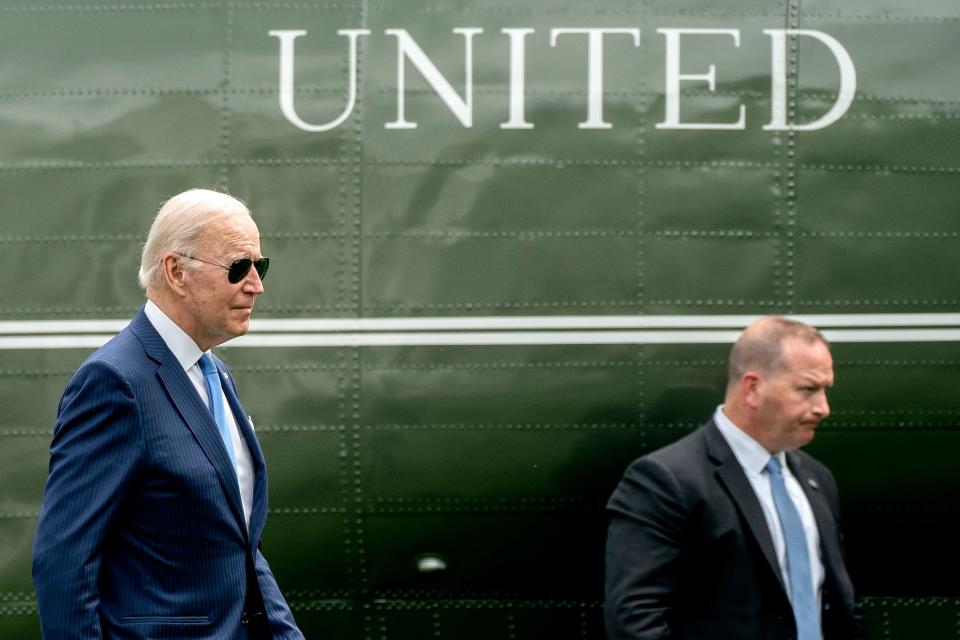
751, 455
184, 349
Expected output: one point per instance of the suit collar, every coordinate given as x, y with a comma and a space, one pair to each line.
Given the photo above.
822, 513
191, 408
802, 473
731, 475
180, 344
153, 344
259, 516
751, 455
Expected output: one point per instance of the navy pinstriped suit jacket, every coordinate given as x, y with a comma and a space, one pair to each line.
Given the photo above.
142, 532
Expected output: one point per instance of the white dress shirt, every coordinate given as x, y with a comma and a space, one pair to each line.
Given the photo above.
753, 457
187, 354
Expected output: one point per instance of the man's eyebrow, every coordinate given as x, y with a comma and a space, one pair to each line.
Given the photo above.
815, 377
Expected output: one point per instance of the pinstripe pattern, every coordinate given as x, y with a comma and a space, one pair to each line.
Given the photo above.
142, 533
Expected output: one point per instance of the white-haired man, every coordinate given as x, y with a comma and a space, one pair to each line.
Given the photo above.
157, 492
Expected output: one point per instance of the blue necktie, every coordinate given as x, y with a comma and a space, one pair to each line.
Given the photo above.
215, 394
802, 598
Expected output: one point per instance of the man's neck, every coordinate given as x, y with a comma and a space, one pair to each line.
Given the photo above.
173, 312
743, 420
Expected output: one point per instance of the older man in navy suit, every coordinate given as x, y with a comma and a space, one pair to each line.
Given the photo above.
157, 492
732, 533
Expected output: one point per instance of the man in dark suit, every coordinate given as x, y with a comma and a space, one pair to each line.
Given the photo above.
731, 533
157, 493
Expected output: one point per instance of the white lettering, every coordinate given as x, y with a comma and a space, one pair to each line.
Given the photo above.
594, 70
673, 78
287, 39
517, 78
461, 105
407, 48
778, 95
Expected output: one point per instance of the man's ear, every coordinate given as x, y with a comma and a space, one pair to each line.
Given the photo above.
750, 384
173, 273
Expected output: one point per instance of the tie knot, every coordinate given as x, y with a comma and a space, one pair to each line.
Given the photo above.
206, 364
774, 467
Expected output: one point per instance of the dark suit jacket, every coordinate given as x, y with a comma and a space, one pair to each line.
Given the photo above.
142, 532
690, 556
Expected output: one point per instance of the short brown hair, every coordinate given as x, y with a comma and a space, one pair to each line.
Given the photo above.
760, 346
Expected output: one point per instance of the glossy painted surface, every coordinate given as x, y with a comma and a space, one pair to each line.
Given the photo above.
498, 459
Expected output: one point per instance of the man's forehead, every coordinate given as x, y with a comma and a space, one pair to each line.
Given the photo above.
811, 359
799, 352
242, 224
802, 346
235, 233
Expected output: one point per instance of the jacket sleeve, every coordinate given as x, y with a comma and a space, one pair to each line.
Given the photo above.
278, 611
97, 444
645, 545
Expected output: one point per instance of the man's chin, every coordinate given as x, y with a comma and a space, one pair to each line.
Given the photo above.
239, 327
241, 319
806, 435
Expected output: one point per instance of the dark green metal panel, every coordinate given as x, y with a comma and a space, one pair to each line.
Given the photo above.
495, 458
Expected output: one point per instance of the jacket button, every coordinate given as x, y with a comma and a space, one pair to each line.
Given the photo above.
244, 619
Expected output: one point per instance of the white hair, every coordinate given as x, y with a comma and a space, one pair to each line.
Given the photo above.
178, 225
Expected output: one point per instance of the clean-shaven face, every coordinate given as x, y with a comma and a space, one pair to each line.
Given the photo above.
793, 399
218, 309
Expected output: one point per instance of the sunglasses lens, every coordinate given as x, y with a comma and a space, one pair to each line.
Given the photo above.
240, 268
261, 266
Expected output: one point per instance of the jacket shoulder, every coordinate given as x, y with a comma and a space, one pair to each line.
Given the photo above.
678, 469
680, 451
122, 356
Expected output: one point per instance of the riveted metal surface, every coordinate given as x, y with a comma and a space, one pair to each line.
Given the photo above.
493, 456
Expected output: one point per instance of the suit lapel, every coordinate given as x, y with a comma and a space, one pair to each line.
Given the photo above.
731, 475
826, 525
259, 515
187, 402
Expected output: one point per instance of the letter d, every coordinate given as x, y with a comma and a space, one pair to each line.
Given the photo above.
778, 95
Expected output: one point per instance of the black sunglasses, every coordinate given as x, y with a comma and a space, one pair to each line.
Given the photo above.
238, 269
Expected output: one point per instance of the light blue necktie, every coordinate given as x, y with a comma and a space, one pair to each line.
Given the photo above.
802, 598
215, 394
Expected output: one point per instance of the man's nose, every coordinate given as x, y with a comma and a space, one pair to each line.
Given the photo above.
821, 407
252, 282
